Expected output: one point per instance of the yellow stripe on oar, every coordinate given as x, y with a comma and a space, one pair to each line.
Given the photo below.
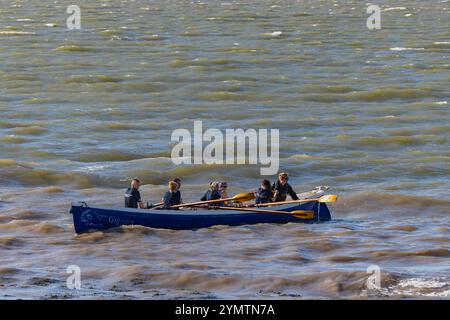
303, 214
328, 198
242, 197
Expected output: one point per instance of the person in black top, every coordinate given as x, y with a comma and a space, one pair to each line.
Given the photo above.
212, 194
133, 196
178, 182
282, 188
172, 197
264, 194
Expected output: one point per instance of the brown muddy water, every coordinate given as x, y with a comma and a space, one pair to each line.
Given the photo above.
365, 112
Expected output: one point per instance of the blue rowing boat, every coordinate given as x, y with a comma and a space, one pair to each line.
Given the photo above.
87, 218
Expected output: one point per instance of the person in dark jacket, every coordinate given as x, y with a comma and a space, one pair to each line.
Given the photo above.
212, 194
264, 193
172, 197
133, 196
281, 188
178, 182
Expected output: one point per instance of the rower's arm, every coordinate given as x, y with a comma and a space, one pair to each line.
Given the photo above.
292, 193
141, 205
275, 195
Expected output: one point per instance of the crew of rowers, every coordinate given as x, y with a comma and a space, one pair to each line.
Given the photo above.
276, 192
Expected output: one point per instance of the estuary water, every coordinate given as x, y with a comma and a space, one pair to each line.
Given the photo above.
363, 111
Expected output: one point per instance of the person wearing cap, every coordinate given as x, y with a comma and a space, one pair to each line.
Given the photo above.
281, 188
212, 193
133, 196
172, 197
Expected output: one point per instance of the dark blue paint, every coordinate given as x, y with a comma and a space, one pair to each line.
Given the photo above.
87, 218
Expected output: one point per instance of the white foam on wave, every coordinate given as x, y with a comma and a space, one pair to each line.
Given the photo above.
274, 34
16, 33
421, 283
433, 287
395, 9
420, 287
406, 49
94, 168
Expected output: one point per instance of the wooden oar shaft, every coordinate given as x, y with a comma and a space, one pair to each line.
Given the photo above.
199, 203
239, 197
156, 205
269, 204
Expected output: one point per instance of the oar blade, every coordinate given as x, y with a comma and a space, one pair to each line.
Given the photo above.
303, 214
243, 197
328, 198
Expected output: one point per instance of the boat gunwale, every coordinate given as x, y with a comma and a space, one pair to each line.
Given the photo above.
163, 212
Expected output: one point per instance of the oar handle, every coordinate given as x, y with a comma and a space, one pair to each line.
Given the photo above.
155, 205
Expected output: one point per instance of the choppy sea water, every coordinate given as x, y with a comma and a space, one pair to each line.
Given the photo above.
365, 112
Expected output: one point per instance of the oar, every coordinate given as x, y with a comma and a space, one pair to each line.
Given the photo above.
151, 206
301, 214
241, 197
323, 199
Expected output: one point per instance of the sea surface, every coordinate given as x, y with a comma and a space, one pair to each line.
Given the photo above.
365, 112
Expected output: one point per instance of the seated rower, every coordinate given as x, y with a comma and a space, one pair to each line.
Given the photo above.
172, 197
282, 188
223, 192
178, 182
212, 194
264, 194
133, 196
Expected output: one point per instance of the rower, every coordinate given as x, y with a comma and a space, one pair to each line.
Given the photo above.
282, 188
212, 193
133, 196
223, 186
264, 194
172, 197
178, 182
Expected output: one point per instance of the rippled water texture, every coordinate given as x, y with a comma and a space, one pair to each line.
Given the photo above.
365, 112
